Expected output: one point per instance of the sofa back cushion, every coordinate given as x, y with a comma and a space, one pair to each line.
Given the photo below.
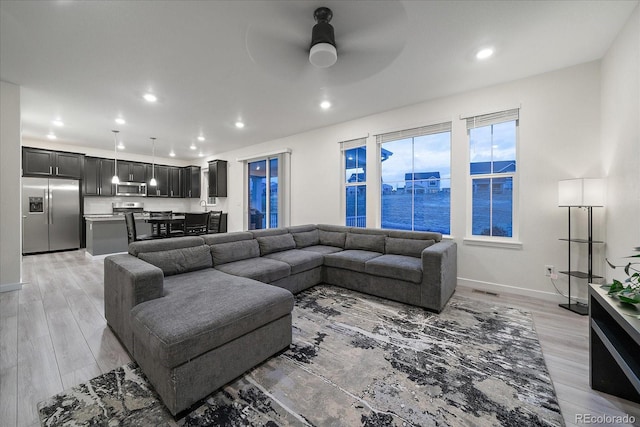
419, 235
306, 238
155, 245
224, 253
365, 242
408, 247
332, 238
181, 260
279, 243
217, 238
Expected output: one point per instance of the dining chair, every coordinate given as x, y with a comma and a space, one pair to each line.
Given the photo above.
132, 236
196, 223
158, 229
215, 219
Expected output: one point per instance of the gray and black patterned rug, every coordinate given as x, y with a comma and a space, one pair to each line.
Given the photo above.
356, 360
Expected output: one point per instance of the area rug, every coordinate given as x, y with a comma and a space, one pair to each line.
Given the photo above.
356, 360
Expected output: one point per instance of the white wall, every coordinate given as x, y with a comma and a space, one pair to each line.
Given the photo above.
621, 140
10, 237
559, 138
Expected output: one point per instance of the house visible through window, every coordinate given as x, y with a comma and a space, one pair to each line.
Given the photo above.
492, 170
355, 182
416, 178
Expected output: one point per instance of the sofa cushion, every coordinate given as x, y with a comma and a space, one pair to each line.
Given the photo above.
302, 228
321, 249
234, 251
365, 242
350, 259
217, 309
262, 269
422, 235
217, 238
156, 245
279, 243
299, 260
306, 238
332, 238
176, 261
401, 267
408, 247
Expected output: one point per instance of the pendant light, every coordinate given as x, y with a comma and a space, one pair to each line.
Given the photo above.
153, 181
115, 179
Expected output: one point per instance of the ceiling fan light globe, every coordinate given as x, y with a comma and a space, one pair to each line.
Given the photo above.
323, 55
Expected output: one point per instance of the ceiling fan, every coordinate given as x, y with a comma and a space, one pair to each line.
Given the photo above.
285, 43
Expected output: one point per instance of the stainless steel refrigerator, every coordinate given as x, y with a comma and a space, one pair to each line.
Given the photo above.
50, 214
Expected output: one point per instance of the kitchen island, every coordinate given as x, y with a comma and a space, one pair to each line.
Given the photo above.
107, 234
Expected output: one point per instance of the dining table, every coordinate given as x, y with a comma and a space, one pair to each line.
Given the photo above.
175, 220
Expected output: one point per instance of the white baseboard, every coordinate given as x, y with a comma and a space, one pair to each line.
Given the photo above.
498, 288
8, 287
98, 257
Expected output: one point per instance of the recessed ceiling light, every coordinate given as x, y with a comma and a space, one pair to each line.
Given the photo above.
484, 53
193, 146
201, 138
149, 97
325, 105
200, 154
52, 136
120, 121
172, 154
120, 146
239, 124
57, 122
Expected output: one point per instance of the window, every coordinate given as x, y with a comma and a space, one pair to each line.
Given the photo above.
355, 182
416, 178
492, 170
263, 193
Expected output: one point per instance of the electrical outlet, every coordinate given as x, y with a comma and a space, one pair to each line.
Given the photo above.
549, 270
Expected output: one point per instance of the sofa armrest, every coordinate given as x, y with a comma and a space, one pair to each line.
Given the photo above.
128, 281
439, 274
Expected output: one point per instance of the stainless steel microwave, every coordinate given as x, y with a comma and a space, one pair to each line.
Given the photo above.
131, 189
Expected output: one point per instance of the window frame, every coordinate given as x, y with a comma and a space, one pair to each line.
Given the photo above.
432, 128
345, 184
512, 242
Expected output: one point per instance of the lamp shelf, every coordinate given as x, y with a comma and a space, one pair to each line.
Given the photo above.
580, 274
581, 240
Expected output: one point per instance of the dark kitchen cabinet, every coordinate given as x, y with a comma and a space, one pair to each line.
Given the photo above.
97, 177
175, 182
47, 163
191, 179
161, 174
218, 178
132, 171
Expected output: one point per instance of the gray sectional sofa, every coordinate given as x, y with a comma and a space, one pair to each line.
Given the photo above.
196, 312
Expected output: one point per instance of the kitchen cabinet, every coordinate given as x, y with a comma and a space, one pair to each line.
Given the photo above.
175, 182
47, 163
191, 179
162, 177
132, 171
97, 177
218, 178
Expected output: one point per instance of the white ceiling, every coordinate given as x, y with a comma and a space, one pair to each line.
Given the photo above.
212, 63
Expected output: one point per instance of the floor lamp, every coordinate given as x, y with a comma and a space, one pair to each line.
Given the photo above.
580, 193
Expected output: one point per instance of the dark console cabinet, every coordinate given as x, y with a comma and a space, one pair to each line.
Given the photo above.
218, 178
614, 345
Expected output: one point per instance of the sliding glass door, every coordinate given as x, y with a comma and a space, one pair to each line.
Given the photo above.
263, 193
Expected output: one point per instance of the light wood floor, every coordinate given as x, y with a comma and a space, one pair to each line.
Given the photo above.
53, 335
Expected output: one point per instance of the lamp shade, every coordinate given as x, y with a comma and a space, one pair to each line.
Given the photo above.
581, 192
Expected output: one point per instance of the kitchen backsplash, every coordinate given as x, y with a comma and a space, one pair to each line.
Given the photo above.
102, 205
